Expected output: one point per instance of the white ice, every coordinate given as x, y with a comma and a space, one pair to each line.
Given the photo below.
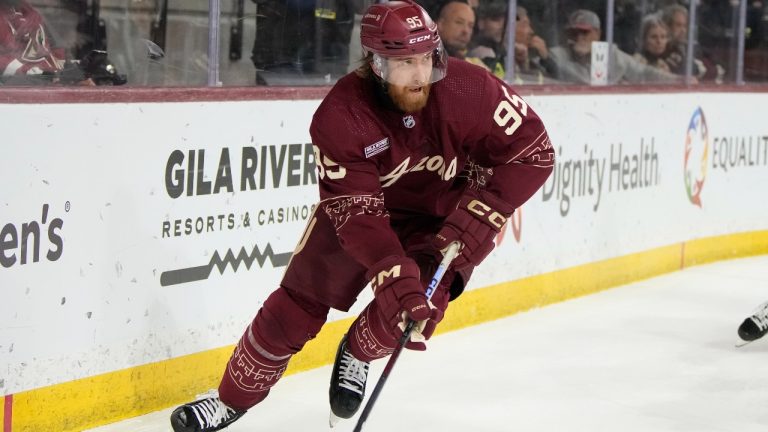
652, 356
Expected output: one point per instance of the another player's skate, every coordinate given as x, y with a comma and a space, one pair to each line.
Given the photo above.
756, 326
347, 384
207, 414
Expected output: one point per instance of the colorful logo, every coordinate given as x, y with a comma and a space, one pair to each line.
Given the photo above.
696, 155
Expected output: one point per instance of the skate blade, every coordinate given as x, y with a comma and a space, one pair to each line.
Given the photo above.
333, 420
742, 342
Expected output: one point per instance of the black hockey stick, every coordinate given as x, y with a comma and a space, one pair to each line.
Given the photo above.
450, 254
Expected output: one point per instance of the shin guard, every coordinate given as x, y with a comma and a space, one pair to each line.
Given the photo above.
281, 328
369, 337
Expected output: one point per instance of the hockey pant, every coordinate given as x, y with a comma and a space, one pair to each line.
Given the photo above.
280, 329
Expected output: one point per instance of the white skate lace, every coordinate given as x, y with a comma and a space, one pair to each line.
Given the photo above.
760, 317
353, 373
211, 412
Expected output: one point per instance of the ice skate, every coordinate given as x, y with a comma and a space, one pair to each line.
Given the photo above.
207, 414
756, 326
347, 388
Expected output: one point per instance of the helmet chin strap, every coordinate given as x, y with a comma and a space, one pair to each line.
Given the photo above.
378, 66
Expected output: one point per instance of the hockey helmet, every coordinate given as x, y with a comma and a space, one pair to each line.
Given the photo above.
403, 41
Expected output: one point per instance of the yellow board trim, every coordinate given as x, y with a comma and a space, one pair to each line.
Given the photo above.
114, 396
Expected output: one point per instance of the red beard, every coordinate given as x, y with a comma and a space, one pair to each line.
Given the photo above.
408, 100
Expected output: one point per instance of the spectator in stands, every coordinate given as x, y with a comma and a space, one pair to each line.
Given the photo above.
431, 6
574, 60
532, 60
532, 57
488, 44
302, 41
455, 23
654, 38
626, 25
27, 54
676, 19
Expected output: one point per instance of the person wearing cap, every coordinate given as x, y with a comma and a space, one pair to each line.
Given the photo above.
415, 152
574, 60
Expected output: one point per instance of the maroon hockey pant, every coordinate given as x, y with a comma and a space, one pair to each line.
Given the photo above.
284, 324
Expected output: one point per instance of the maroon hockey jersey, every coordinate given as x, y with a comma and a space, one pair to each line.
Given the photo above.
25, 48
380, 170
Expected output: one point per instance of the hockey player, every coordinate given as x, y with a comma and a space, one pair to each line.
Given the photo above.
413, 151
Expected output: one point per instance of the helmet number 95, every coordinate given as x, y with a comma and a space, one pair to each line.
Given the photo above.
414, 22
511, 108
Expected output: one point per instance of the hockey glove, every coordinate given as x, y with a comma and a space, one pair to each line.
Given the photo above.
397, 290
475, 222
423, 329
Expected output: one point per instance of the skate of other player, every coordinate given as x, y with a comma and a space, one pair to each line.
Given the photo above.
755, 326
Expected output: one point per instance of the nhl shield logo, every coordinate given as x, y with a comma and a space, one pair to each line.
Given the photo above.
409, 121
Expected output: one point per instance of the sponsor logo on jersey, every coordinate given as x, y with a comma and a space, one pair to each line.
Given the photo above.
409, 121
435, 164
377, 147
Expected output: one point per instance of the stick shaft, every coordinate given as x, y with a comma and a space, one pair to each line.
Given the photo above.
450, 254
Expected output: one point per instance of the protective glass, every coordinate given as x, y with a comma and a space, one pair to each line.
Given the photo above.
412, 70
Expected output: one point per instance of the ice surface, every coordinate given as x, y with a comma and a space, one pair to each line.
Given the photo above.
656, 355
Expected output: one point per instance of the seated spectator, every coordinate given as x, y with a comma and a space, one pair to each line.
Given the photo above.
532, 57
455, 23
488, 43
574, 61
302, 41
654, 38
626, 25
676, 19
532, 60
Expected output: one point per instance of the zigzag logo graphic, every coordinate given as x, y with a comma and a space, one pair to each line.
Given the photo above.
192, 274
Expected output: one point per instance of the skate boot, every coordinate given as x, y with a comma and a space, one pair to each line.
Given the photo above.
756, 326
347, 384
207, 414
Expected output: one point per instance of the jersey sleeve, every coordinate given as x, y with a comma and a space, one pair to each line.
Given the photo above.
350, 190
510, 138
